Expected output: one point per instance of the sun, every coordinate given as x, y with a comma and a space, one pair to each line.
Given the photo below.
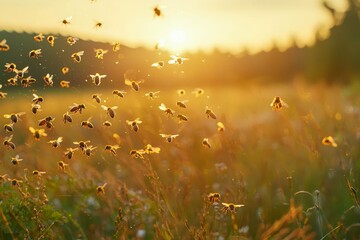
177, 40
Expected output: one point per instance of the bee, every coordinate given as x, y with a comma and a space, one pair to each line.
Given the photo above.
158, 65
169, 137
214, 197
37, 133
182, 118
38, 173
26, 82
152, 95
134, 124
112, 148
20, 73
48, 79
70, 152
198, 92
71, 40
14, 117
9, 127
3, 46
10, 67
107, 124
157, 11
8, 143
167, 110
150, 149
12, 81
205, 143
96, 97
37, 99
97, 78
47, 122
87, 123
62, 165
15, 160
65, 70
99, 53
77, 56
51, 40
98, 25
119, 93
329, 141
278, 103
35, 108
109, 110
15, 182
67, 20
64, 84
221, 127
101, 189
210, 114
115, 47
230, 207
82, 144
177, 60
88, 150
133, 84
56, 143
77, 108
137, 153
182, 104
2, 94
35, 53
39, 38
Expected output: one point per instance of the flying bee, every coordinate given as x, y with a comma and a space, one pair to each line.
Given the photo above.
64, 84
97, 78
65, 70
221, 127
330, 141
150, 149
67, 117
38, 173
137, 153
77, 108
71, 40
205, 143
119, 93
87, 123
109, 110
133, 84
56, 143
62, 165
210, 114
20, 73
112, 148
14, 117
101, 189
37, 99
134, 124
107, 124
51, 40
99, 53
89, 150
70, 152
214, 197
158, 11
96, 97
198, 92
39, 38
182, 104
15, 160
98, 25
48, 79
177, 60
37, 133
10, 67
158, 65
8, 143
3, 46
47, 122
230, 207
77, 56
278, 103
115, 47
9, 127
166, 110
182, 118
35, 108
152, 95
26, 82
35, 53
15, 182
67, 20
82, 144
169, 137
12, 81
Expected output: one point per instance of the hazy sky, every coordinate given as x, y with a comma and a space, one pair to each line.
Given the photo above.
186, 24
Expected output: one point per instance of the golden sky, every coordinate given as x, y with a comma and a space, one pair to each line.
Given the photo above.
186, 25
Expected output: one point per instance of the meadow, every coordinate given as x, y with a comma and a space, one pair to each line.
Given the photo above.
273, 162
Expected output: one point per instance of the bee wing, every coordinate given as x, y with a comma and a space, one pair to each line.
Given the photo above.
32, 130
102, 76
60, 139
225, 204
174, 135
7, 115
137, 120
128, 82
162, 107
164, 135
239, 205
3, 42
25, 69
172, 61
128, 122
284, 104
80, 53
104, 107
114, 107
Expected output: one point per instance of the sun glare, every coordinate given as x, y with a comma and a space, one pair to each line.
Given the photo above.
177, 41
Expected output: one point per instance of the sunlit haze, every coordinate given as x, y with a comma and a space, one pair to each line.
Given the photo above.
185, 25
